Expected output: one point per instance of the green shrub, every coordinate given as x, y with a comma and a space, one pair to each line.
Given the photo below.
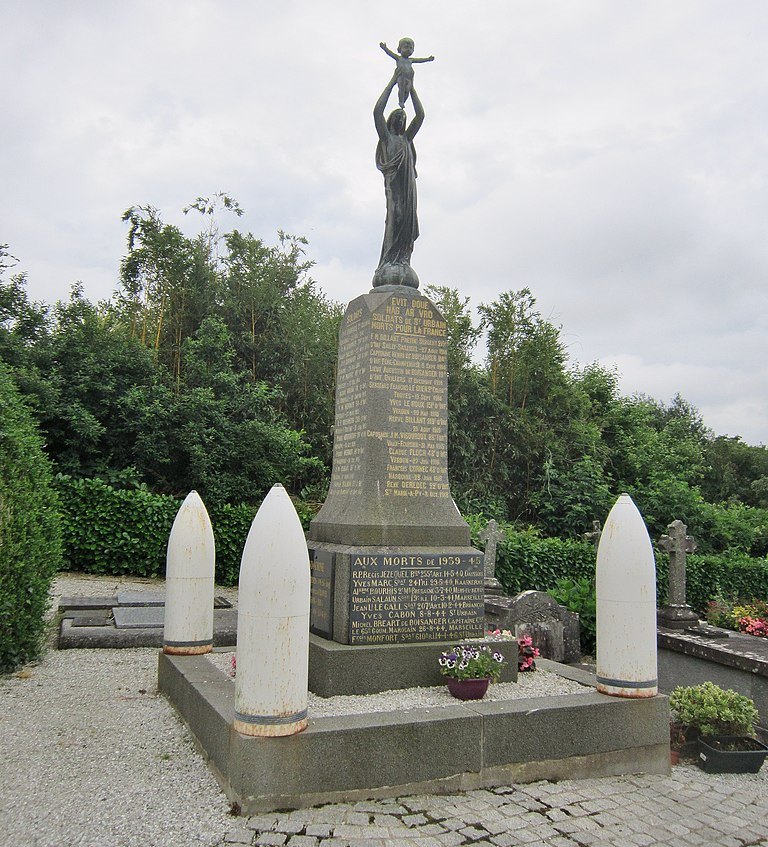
729, 574
711, 710
230, 527
578, 595
30, 545
114, 531
111, 530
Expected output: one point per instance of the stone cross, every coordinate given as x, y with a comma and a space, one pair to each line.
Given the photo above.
491, 535
678, 544
594, 536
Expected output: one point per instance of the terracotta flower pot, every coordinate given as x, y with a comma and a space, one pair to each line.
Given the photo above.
468, 689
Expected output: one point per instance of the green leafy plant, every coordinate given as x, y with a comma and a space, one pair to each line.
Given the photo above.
30, 545
578, 595
708, 709
471, 662
719, 612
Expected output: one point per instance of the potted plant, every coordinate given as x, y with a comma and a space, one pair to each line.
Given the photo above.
724, 721
469, 669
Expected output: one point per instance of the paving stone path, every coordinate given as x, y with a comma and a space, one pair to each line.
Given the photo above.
687, 808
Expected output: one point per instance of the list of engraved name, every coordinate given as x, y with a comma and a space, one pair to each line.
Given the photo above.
419, 597
392, 388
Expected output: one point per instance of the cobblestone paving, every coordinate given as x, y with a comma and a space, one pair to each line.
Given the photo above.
685, 809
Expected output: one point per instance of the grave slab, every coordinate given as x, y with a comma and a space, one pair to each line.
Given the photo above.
141, 598
91, 617
138, 617
72, 636
106, 601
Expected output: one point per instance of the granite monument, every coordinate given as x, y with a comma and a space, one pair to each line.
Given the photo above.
390, 554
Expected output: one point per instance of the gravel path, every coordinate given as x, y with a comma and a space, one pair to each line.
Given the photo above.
92, 756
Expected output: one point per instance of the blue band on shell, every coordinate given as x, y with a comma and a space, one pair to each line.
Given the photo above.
626, 683
271, 720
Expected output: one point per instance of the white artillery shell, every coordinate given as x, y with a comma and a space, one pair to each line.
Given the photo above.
189, 581
273, 623
626, 605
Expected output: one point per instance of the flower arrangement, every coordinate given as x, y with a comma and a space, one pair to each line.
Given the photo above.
499, 635
471, 662
526, 654
753, 626
746, 616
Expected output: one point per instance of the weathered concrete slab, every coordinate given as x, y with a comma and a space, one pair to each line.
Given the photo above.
386, 754
138, 617
157, 598
72, 636
141, 598
91, 617
105, 601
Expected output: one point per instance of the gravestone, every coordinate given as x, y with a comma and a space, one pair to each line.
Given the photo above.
491, 535
594, 536
390, 554
553, 628
677, 614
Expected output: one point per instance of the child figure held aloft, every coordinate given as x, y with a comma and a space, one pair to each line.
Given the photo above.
404, 72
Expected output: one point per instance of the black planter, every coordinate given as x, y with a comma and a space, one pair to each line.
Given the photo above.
714, 760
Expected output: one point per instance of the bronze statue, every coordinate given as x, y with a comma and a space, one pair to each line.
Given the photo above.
396, 159
404, 70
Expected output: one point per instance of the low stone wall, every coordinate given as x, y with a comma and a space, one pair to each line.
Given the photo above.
738, 661
437, 750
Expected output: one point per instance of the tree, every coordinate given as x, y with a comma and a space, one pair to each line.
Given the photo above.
219, 432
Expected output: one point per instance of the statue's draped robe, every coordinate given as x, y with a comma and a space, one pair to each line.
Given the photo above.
397, 162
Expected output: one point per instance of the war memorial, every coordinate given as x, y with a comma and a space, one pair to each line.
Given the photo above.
391, 579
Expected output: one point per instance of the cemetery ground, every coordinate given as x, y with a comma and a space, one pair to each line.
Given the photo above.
93, 755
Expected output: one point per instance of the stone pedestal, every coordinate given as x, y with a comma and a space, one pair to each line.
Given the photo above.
390, 553
677, 616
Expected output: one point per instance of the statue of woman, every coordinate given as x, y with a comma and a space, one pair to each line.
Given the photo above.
396, 159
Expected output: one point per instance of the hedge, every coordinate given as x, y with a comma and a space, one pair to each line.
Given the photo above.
110, 530
524, 560
30, 545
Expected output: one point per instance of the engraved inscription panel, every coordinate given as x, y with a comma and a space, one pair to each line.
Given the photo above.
321, 592
408, 369
351, 403
415, 597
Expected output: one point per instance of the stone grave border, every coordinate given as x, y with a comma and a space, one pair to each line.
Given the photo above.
434, 750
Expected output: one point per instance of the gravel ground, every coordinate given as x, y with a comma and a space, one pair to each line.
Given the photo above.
539, 684
92, 756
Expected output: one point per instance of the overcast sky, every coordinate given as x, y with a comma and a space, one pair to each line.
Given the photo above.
612, 156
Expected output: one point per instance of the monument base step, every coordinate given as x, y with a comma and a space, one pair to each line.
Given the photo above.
469, 745
336, 669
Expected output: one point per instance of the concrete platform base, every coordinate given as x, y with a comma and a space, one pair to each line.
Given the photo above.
336, 669
435, 750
